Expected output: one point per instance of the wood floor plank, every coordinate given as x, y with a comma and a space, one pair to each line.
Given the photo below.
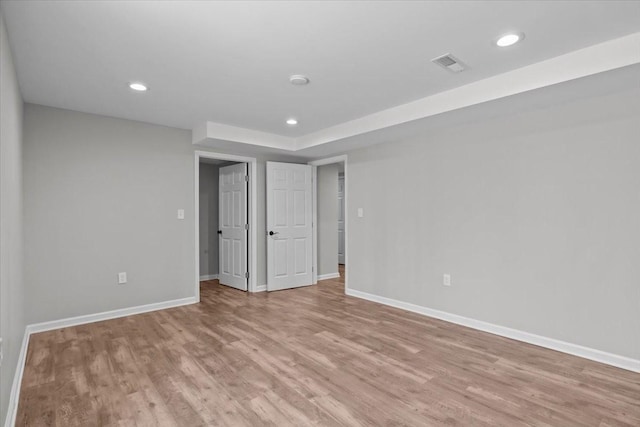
309, 357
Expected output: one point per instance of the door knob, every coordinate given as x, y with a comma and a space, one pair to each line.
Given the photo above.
219, 231
271, 233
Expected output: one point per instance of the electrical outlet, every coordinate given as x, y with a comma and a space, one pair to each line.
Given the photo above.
446, 280
122, 278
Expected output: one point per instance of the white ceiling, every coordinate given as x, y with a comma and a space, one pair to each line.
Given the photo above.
229, 62
624, 80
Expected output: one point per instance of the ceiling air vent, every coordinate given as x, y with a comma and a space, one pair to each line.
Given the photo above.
449, 62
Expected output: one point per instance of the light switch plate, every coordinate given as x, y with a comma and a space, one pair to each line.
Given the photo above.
446, 280
360, 212
122, 278
180, 213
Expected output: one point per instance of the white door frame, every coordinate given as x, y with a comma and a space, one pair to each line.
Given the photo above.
252, 262
341, 237
314, 174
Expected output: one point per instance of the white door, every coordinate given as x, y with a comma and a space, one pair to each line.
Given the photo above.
341, 219
289, 232
232, 231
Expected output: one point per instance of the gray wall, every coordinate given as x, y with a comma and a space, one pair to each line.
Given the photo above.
101, 196
208, 219
11, 280
327, 177
536, 216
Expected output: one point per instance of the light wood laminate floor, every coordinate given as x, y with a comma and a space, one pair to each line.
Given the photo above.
309, 356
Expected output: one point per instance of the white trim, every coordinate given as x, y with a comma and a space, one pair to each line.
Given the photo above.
253, 214
221, 132
108, 315
12, 410
261, 288
329, 160
14, 397
584, 62
328, 276
314, 221
321, 162
562, 346
208, 277
606, 56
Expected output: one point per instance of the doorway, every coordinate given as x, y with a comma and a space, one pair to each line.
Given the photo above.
224, 231
226, 214
307, 223
330, 220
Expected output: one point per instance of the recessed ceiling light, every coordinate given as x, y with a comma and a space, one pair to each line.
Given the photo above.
509, 39
292, 122
299, 80
138, 87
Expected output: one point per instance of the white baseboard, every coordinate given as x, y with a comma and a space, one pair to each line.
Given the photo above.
12, 410
261, 288
106, 315
562, 346
328, 276
208, 277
